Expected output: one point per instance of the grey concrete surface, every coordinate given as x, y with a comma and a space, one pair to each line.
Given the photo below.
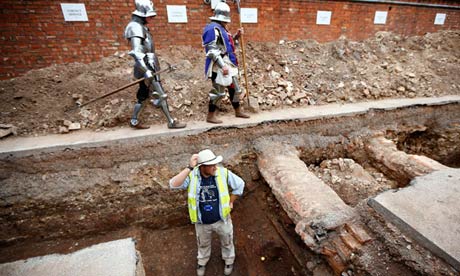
428, 211
19, 146
115, 258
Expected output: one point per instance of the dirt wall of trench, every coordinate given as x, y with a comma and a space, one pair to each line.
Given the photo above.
125, 184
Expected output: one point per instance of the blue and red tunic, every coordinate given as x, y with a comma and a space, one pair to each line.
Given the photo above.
209, 35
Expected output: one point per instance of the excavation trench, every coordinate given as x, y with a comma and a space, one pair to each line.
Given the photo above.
57, 201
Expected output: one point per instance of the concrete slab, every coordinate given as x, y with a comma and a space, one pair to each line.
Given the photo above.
20, 146
428, 211
115, 258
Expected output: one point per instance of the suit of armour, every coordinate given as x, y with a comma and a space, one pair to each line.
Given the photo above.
146, 63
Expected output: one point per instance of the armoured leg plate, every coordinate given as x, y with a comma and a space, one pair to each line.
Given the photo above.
216, 93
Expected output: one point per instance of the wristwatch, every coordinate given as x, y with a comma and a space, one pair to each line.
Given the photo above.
190, 168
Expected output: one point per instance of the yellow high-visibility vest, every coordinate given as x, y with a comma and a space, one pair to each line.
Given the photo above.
224, 196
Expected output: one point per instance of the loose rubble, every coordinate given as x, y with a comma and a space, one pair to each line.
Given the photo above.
284, 74
351, 181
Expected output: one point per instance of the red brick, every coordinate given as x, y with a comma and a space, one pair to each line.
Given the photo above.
358, 232
349, 241
39, 19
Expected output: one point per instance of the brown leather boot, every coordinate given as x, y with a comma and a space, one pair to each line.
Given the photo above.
177, 124
138, 126
240, 114
212, 118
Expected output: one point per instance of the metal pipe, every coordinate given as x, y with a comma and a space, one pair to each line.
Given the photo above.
417, 4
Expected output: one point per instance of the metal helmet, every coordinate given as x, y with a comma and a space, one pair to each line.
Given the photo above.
144, 8
221, 13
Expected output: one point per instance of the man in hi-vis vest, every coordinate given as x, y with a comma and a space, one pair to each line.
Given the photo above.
209, 204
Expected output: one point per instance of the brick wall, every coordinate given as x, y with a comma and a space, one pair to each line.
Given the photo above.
34, 34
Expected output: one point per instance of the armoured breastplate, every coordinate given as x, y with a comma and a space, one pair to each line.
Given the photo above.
148, 42
143, 48
136, 28
220, 44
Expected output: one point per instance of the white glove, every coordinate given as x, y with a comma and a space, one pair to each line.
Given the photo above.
151, 60
148, 74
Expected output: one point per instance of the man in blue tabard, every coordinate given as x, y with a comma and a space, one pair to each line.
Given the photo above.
221, 64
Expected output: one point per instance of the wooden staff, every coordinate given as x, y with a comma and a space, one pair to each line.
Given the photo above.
169, 69
243, 52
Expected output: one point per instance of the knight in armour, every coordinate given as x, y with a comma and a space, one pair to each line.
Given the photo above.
146, 64
221, 65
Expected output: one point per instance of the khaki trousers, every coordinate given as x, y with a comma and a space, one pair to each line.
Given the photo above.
204, 238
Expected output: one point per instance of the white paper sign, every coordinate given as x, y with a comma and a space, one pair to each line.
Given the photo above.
248, 15
323, 17
176, 14
74, 12
380, 17
440, 19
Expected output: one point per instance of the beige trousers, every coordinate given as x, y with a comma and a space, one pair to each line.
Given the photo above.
204, 238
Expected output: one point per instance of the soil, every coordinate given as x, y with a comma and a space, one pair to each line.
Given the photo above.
264, 243
283, 74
